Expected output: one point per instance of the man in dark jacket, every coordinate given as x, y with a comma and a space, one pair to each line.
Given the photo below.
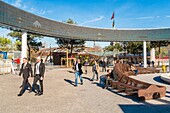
39, 70
78, 72
25, 70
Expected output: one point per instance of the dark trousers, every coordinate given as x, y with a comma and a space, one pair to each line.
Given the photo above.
95, 73
24, 85
103, 68
35, 85
107, 82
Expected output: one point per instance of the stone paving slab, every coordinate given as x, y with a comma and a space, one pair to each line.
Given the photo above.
60, 96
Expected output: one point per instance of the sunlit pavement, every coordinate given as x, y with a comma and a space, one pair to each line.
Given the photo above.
60, 96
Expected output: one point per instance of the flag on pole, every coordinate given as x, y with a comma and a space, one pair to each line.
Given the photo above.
113, 18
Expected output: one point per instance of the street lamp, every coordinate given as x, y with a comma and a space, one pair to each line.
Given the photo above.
50, 54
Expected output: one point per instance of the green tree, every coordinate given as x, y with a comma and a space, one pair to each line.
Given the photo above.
136, 47
17, 45
115, 47
5, 44
159, 44
70, 44
129, 47
32, 42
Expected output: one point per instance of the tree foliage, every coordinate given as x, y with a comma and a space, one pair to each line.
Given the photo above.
69, 43
137, 47
129, 47
114, 47
32, 41
5, 44
159, 44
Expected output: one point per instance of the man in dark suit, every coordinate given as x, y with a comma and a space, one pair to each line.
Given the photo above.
39, 70
25, 70
78, 72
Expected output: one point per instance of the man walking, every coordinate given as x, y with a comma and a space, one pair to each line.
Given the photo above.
39, 70
95, 69
25, 70
78, 72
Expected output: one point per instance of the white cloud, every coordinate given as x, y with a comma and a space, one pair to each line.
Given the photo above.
168, 16
146, 17
34, 10
20, 4
25, 7
17, 3
93, 20
5, 1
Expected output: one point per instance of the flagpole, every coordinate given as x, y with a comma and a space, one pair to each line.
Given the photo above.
113, 22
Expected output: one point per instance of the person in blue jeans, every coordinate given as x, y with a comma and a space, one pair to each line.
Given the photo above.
95, 69
133, 68
78, 72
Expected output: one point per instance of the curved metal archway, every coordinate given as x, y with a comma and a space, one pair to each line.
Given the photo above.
19, 20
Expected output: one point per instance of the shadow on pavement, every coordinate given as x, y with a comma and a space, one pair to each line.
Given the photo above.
87, 78
69, 81
145, 108
158, 79
99, 84
123, 94
71, 71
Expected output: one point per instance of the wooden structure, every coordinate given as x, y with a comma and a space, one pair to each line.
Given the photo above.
132, 86
124, 68
67, 62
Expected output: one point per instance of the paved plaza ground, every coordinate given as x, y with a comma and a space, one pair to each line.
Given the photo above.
60, 96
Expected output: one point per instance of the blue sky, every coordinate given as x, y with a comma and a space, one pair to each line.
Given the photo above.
97, 13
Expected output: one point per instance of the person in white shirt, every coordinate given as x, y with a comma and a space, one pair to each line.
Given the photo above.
78, 72
39, 70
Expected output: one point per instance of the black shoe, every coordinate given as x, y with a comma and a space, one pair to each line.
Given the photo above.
75, 85
40, 93
19, 95
82, 83
36, 94
30, 91
21, 86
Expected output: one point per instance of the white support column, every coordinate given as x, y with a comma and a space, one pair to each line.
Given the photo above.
152, 54
144, 55
24, 46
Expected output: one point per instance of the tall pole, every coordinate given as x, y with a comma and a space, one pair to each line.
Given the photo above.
169, 56
50, 54
67, 56
94, 44
24, 46
144, 55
